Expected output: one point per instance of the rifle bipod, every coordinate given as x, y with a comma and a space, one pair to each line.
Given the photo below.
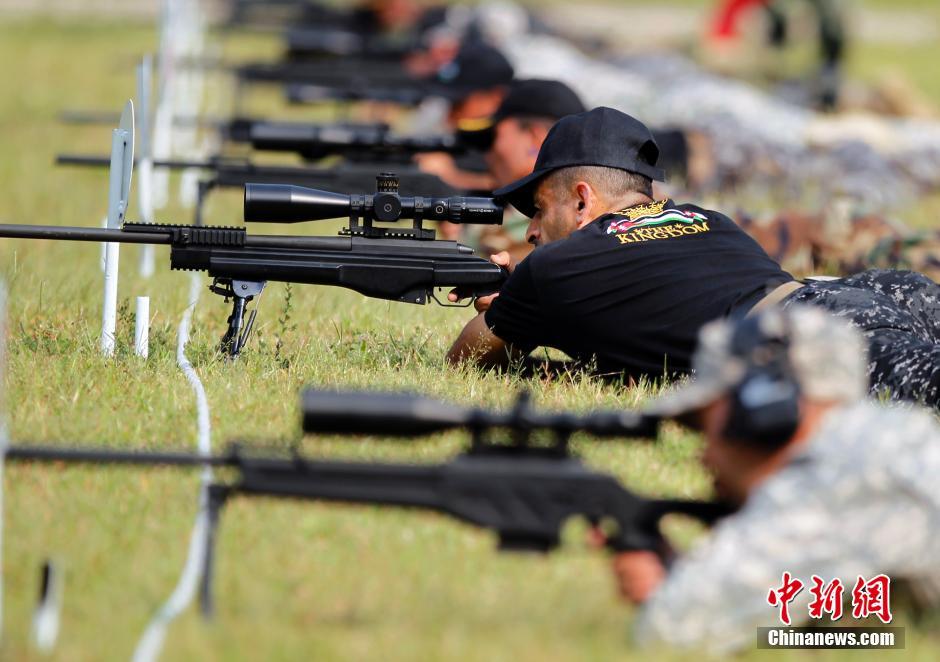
240, 292
216, 498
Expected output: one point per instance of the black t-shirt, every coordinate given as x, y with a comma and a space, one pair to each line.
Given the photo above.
631, 290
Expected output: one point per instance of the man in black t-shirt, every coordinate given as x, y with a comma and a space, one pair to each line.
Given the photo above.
635, 279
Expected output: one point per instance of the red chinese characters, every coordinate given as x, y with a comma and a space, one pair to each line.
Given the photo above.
783, 596
869, 598
872, 598
827, 598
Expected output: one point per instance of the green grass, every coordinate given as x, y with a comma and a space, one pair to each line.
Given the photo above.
295, 581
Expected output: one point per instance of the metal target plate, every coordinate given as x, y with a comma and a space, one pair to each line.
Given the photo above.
127, 167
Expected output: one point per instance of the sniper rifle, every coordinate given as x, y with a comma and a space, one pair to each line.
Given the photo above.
523, 492
353, 141
393, 263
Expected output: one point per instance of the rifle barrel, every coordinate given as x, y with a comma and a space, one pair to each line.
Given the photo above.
164, 235
72, 233
95, 160
88, 455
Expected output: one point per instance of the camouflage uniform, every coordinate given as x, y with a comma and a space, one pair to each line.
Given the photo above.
841, 243
863, 484
899, 314
860, 497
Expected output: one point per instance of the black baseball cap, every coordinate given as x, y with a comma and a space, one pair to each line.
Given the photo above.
599, 137
477, 66
531, 97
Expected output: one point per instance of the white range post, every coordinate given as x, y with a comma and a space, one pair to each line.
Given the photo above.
144, 159
162, 115
142, 327
187, 95
119, 184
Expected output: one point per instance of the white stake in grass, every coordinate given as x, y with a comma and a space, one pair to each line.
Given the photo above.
48, 613
144, 160
142, 327
122, 167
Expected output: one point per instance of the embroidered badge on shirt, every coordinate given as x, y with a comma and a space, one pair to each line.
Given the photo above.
639, 211
666, 224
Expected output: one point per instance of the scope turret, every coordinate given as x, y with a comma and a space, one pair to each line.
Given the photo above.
281, 203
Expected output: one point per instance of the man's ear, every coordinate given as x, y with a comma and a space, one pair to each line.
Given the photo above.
535, 133
586, 202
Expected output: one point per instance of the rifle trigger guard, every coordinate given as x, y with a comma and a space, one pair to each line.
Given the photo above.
447, 304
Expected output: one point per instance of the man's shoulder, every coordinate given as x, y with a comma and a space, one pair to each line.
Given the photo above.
868, 428
657, 214
866, 448
693, 208
660, 207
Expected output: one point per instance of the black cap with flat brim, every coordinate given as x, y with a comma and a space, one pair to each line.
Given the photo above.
599, 137
530, 97
477, 66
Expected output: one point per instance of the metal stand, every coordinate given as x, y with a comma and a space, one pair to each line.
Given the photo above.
241, 292
119, 184
218, 494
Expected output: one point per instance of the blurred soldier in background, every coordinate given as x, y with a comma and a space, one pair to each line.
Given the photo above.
475, 84
511, 138
825, 83
842, 242
828, 483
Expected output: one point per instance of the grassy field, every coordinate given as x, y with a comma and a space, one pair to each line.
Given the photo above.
295, 581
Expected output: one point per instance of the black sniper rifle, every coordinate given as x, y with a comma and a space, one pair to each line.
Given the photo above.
356, 90
226, 172
354, 142
394, 263
522, 492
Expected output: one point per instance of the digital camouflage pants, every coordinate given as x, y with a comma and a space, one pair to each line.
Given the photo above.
899, 314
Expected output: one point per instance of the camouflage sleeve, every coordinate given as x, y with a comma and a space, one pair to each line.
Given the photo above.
715, 597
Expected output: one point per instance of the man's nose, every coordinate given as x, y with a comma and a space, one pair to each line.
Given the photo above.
533, 233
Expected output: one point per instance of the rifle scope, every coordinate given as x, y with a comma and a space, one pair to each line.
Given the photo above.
412, 415
280, 203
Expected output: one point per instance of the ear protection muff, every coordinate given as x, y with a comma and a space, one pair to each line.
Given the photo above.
765, 405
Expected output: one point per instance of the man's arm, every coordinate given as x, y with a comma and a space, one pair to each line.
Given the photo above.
478, 344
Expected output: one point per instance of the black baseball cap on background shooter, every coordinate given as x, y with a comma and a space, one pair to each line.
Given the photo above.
599, 137
531, 97
477, 66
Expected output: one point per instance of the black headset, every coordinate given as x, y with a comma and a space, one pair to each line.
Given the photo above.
765, 404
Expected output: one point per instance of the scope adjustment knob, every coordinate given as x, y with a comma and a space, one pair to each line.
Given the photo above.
387, 182
386, 207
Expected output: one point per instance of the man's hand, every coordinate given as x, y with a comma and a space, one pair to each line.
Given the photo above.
639, 573
482, 304
444, 167
441, 164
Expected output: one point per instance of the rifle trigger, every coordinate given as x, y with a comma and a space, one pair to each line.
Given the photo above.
447, 304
